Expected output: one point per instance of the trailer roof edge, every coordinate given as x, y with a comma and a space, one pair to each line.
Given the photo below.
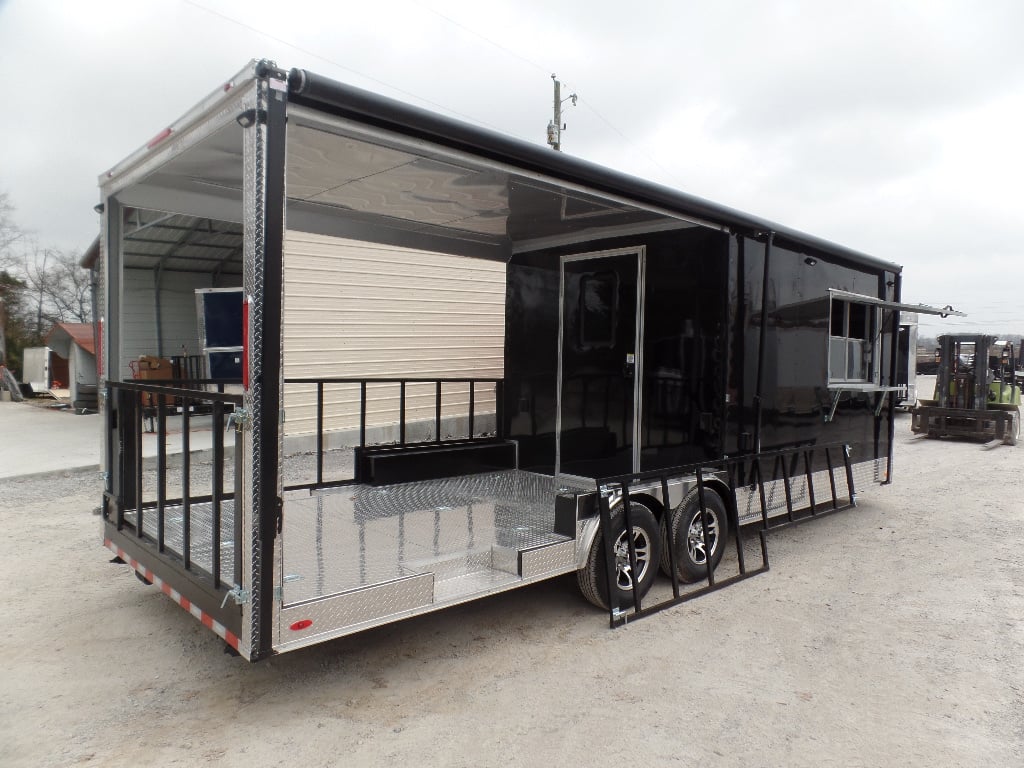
316, 91
225, 90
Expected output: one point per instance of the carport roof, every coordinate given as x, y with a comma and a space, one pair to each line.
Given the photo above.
176, 243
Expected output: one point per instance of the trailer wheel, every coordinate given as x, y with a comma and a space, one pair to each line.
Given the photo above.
593, 578
683, 529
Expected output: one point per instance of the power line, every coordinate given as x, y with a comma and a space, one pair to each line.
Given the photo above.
333, 63
542, 68
483, 37
424, 100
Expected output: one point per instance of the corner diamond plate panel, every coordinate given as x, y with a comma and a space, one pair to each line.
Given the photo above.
350, 610
547, 559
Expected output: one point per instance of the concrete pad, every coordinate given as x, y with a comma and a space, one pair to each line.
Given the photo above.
35, 440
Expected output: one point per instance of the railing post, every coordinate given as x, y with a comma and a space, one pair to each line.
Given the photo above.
704, 526
810, 479
609, 555
627, 519
785, 485
218, 489
849, 475
669, 537
236, 511
319, 433
161, 469
472, 407
137, 451
401, 412
832, 479
499, 408
437, 411
186, 482
760, 491
362, 414
734, 512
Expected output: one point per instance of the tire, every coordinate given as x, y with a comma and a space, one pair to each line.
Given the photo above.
593, 578
683, 529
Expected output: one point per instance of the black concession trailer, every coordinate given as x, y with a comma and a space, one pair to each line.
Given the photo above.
673, 377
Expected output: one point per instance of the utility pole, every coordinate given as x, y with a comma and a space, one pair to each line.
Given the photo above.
556, 126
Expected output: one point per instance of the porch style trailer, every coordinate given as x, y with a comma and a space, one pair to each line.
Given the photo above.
468, 363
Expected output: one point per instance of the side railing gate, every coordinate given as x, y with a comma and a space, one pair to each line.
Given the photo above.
744, 473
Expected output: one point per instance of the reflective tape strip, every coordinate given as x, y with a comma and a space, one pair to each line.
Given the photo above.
206, 619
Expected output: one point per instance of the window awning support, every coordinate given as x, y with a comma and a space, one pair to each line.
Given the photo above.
838, 389
899, 306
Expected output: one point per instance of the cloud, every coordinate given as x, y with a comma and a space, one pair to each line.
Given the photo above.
890, 128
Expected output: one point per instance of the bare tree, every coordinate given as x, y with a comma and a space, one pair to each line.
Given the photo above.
66, 288
10, 233
57, 287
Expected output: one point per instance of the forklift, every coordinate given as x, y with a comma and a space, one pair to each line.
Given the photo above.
977, 391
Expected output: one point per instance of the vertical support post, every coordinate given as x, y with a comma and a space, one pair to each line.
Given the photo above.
137, 452
734, 512
236, 504
362, 414
472, 408
627, 520
759, 392
808, 454
832, 479
785, 485
161, 469
186, 481
760, 491
897, 293
669, 539
704, 526
218, 489
108, 442
609, 554
109, 350
499, 408
319, 433
437, 411
264, 201
849, 475
401, 413
125, 427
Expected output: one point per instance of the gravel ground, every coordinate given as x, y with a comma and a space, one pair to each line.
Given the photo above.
887, 635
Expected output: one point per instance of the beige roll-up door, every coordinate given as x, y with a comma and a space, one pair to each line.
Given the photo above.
355, 309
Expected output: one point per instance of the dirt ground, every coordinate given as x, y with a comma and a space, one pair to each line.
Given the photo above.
887, 635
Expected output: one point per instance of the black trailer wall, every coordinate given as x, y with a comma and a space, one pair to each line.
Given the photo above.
701, 331
684, 350
796, 399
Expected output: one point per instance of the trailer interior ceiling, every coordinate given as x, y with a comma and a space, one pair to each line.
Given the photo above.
365, 184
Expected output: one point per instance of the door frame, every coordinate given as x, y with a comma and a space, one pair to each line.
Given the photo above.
640, 251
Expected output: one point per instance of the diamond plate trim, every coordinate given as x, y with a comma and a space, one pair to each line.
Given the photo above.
547, 559
351, 609
254, 148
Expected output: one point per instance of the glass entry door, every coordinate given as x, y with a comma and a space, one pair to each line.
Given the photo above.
600, 364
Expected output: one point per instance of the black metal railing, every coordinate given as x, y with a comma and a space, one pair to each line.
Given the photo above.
144, 515
734, 473
403, 385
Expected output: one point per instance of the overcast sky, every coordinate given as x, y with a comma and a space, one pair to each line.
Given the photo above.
894, 128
